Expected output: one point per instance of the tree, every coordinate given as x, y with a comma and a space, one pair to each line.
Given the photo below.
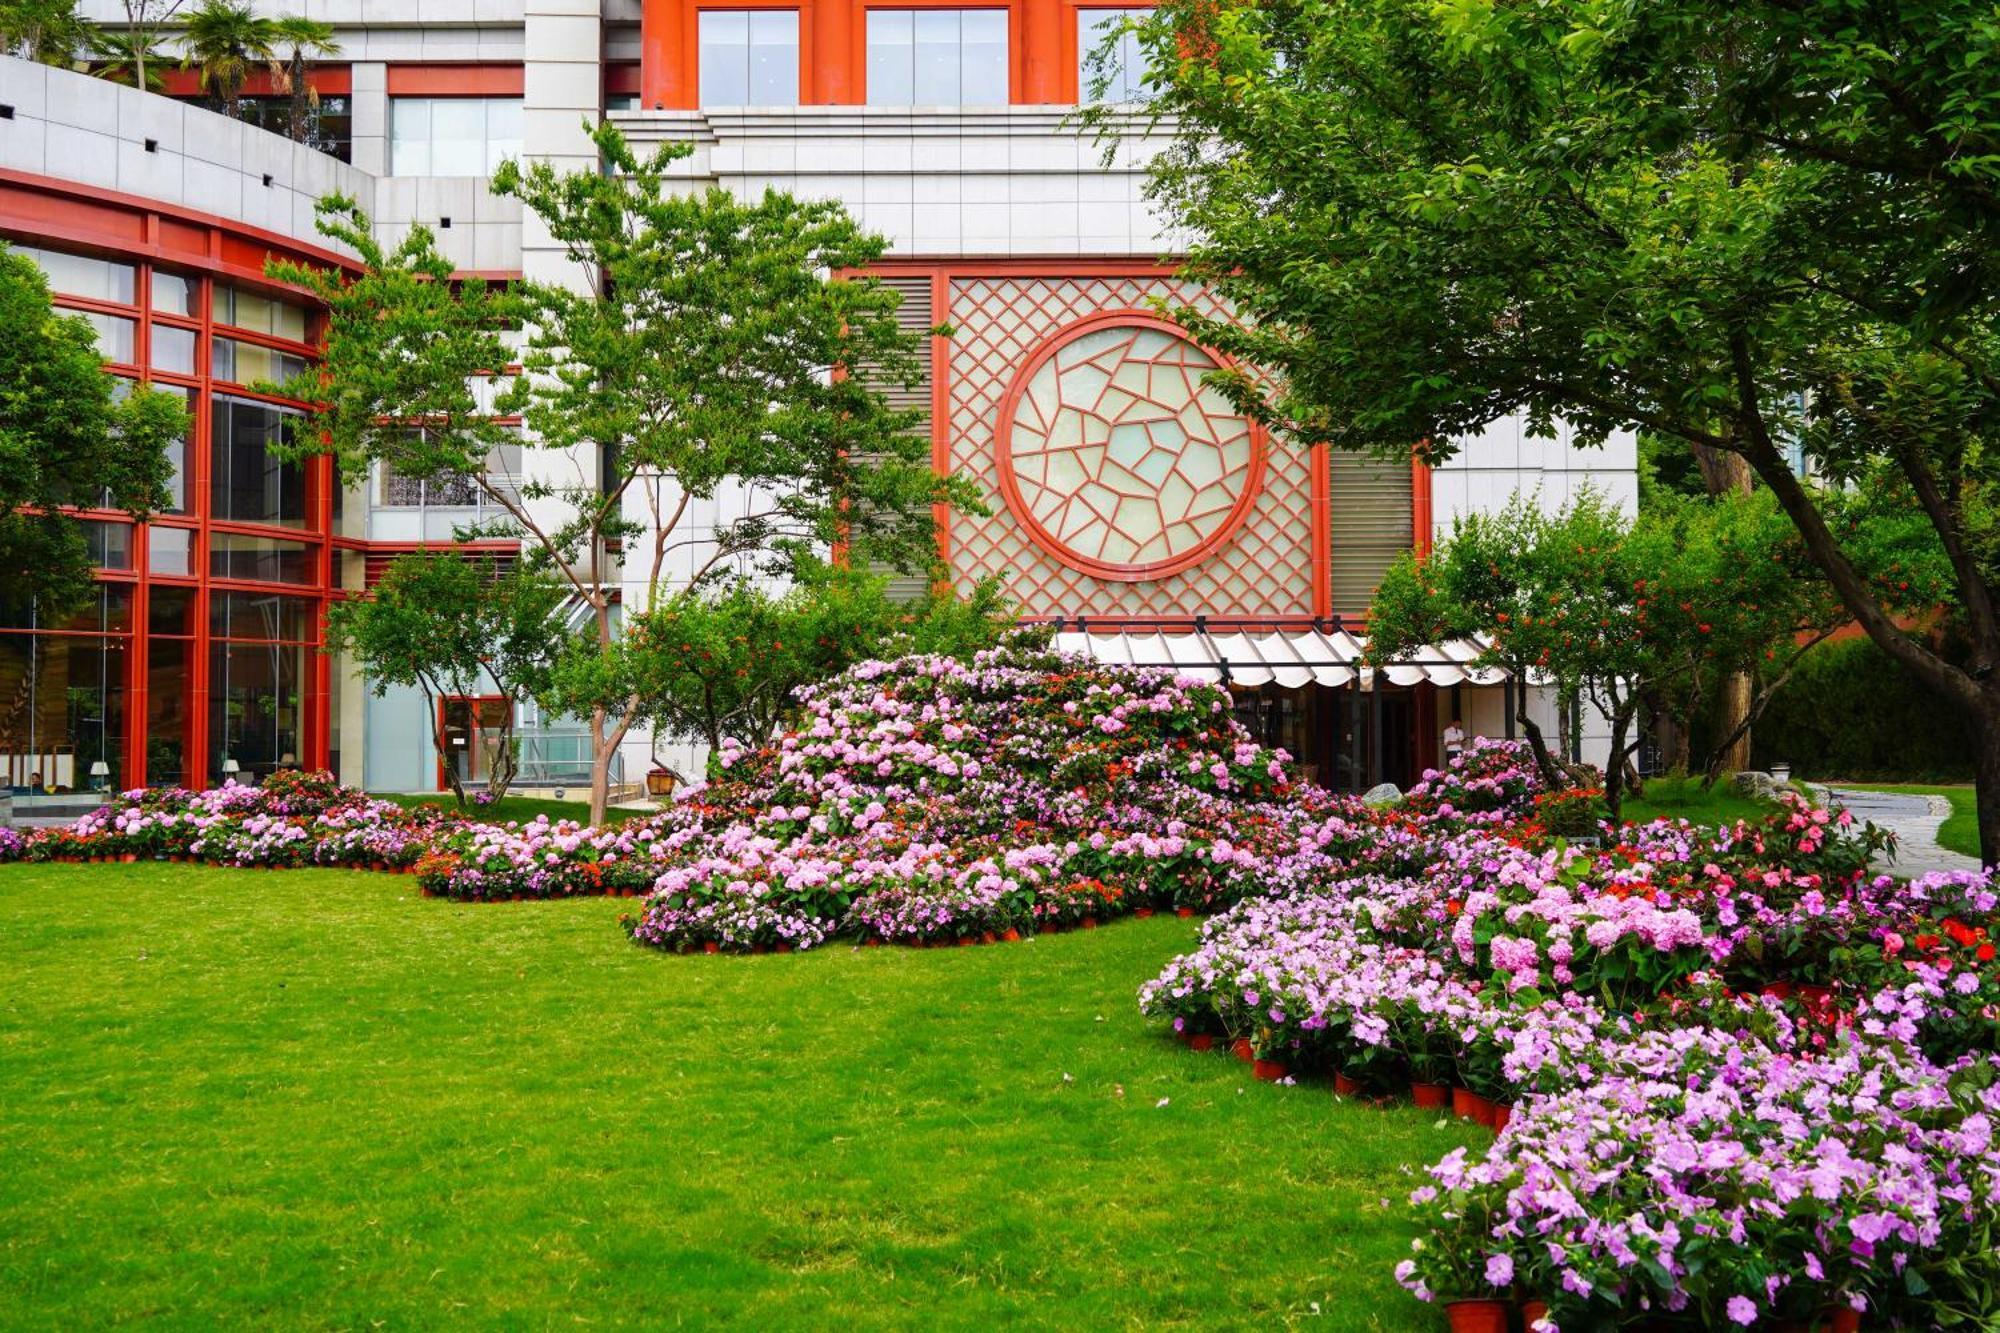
1747, 228
728, 662
700, 352
67, 440
130, 51
456, 628
302, 40
1633, 616
50, 32
226, 42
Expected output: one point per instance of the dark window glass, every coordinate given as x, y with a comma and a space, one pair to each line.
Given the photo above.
110, 544
258, 558
171, 610
66, 729
167, 710
251, 484
259, 616
329, 125
255, 703
108, 610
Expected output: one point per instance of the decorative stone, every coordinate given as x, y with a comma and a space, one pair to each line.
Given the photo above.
1387, 793
1761, 786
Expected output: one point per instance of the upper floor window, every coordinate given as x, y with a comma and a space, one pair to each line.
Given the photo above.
749, 57
241, 308
937, 57
452, 136
85, 277
1122, 64
329, 120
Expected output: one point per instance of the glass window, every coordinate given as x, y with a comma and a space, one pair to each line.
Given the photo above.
167, 711
250, 483
116, 337
329, 122
169, 550
452, 136
68, 732
177, 455
173, 350
171, 610
110, 544
937, 57
749, 57
80, 275
173, 293
255, 707
259, 558
260, 617
241, 308
252, 363
107, 611
1121, 65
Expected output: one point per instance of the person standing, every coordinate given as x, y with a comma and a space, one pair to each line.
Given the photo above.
1454, 740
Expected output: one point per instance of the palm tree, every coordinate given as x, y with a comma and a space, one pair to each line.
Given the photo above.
48, 31
143, 21
226, 41
304, 39
128, 57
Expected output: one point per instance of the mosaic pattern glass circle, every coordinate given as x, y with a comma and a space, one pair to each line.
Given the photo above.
1118, 458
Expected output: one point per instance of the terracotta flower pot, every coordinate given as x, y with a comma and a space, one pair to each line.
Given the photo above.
1268, 1071
1430, 1096
1010, 935
1478, 1316
1242, 1049
1142, 912
1778, 990
1532, 1311
711, 946
1813, 995
1183, 912
1844, 1319
1465, 1103
1201, 1041
1090, 923
1343, 1086
129, 857
781, 948
1503, 1115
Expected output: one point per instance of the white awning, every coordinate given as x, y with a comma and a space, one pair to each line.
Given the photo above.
1289, 657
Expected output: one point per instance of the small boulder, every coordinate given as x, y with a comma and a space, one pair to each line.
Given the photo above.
1758, 786
1387, 793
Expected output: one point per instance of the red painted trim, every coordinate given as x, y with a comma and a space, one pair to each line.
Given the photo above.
1044, 266
1239, 512
457, 80
1320, 478
40, 209
941, 414
621, 78
662, 77
1353, 624
326, 80
1420, 505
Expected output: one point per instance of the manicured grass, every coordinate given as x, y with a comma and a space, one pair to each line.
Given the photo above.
1683, 798
315, 1098
1958, 833
518, 808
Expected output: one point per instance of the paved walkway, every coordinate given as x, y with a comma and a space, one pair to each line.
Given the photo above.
1914, 820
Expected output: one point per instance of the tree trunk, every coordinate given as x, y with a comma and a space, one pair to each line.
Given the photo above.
299, 95
1737, 692
600, 767
1552, 772
1986, 789
502, 763
1614, 766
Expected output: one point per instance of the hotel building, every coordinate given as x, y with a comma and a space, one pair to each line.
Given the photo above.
1127, 501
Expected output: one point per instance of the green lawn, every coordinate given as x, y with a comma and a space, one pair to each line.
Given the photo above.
1683, 798
520, 808
1960, 832
315, 1098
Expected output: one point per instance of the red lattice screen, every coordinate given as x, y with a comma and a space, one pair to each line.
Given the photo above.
1264, 568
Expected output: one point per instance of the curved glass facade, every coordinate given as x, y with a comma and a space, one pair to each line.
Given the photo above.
199, 659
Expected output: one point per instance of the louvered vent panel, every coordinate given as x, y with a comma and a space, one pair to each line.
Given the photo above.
1371, 506
914, 315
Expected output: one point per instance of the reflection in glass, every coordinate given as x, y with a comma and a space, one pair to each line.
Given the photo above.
63, 713
255, 706
173, 349
250, 483
937, 57
749, 57
260, 558
167, 662
1124, 63
80, 275
260, 616
169, 550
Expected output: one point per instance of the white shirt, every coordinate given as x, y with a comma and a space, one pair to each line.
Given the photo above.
1454, 739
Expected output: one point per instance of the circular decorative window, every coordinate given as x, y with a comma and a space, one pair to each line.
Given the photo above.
1117, 458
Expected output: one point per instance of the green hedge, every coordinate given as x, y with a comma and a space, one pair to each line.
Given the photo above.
1851, 712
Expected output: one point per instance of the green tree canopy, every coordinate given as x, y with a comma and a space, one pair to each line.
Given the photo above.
70, 437
726, 661
1744, 227
457, 627
702, 350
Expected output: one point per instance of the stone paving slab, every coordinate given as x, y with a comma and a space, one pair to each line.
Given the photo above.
1914, 820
